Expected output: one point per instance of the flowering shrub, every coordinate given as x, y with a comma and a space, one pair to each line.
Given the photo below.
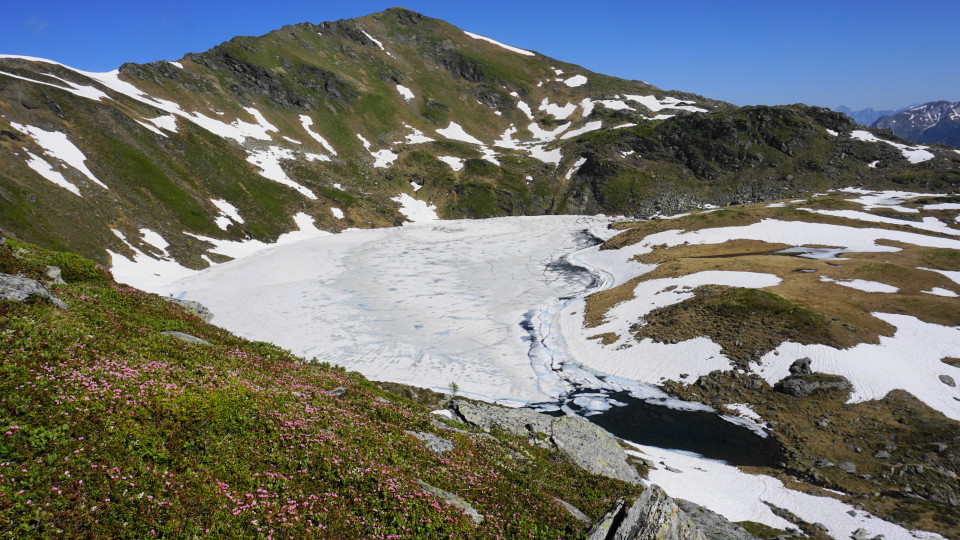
110, 429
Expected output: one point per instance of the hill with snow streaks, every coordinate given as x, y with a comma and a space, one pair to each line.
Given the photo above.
935, 122
339, 120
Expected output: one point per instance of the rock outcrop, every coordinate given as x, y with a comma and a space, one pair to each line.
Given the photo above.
803, 381
20, 289
584, 444
656, 516
186, 337
194, 307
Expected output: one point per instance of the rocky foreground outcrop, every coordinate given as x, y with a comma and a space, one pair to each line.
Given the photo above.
651, 516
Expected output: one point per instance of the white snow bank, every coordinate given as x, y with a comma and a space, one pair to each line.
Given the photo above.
909, 360
415, 210
455, 163
862, 285
456, 132
497, 43
154, 239
337, 213
268, 161
648, 361
914, 154
405, 92
381, 158
416, 136
575, 81
656, 105
306, 122
589, 126
927, 224
560, 112
56, 145
739, 496
44, 169
940, 291
576, 167
228, 213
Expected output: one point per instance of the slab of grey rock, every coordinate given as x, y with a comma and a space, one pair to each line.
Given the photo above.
601, 529
848, 467
194, 307
948, 380
654, 516
574, 511
19, 288
454, 500
186, 337
799, 386
437, 445
713, 525
584, 444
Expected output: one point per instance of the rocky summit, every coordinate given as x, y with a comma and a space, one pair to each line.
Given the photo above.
934, 122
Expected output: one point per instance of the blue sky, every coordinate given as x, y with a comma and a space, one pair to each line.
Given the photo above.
880, 54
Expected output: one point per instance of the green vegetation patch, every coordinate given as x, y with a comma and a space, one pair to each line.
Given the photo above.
746, 323
112, 429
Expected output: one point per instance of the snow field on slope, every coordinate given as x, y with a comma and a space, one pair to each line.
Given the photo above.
914, 154
415, 210
497, 43
874, 370
56, 145
739, 496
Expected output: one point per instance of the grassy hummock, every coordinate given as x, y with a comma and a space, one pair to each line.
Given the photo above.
111, 429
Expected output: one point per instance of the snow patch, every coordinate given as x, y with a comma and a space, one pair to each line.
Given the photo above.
381, 158
154, 239
914, 154
455, 163
497, 43
456, 132
739, 496
405, 92
416, 211
522, 105
940, 291
416, 137
228, 213
44, 169
589, 126
575, 81
337, 213
862, 285
558, 112
56, 145
576, 167
306, 122
268, 161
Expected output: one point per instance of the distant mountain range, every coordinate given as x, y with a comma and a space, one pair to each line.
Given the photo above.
866, 117
934, 122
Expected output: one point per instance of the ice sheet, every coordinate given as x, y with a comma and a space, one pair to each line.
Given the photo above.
423, 304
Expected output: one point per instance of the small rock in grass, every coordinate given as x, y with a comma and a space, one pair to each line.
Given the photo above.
19, 288
186, 337
454, 500
338, 391
882, 454
822, 463
53, 275
848, 467
574, 511
437, 445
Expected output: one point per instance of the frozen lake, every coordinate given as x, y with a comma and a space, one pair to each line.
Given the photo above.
426, 304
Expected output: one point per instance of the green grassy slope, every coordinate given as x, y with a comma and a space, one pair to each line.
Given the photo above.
111, 429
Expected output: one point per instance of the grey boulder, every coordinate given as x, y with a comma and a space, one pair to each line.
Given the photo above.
19, 289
